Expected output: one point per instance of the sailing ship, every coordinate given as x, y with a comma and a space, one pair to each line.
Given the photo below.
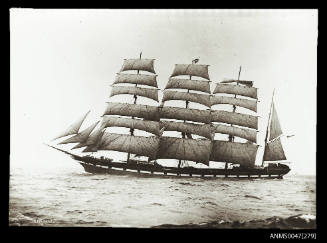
200, 129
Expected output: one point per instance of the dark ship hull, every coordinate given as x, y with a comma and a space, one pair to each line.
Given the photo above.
106, 166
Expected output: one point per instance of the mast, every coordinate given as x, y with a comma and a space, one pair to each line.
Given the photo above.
231, 137
132, 116
135, 99
273, 148
186, 148
268, 123
183, 133
246, 125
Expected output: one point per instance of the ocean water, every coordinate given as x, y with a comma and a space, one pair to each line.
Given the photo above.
62, 194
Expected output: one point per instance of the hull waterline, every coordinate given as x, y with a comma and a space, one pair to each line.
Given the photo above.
103, 166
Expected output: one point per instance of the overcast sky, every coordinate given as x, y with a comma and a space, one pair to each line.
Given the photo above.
63, 61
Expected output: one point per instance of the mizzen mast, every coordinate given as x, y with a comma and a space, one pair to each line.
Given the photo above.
273, 147
237, 124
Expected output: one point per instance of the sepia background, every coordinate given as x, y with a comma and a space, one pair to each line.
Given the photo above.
63, 62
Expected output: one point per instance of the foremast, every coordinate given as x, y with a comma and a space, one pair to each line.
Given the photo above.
135, 99
124, 115
133, 116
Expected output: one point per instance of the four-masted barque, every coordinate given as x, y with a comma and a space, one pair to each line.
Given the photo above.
200, 130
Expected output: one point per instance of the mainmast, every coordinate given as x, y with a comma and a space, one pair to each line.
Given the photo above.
194, 121
183, 133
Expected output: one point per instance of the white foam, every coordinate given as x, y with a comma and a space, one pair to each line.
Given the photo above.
307, 217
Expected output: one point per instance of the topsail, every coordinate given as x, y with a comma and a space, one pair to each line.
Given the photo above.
203, 130
148, 126
249, 134
235, 118
236, 90
185, 114
203, 99
245, 103
145, 92
141, 111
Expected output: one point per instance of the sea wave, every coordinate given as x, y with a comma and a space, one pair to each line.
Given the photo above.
300, 221
73, 198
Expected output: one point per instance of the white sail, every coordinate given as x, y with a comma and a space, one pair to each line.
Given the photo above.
185, 114
235, 118
203, 130
203, 99
232, 152
191, 69
144, 146
93, 139
141, 111
143, 79
245, 103
248, 134
148, 126
275, 128
145, 92
74, 128
138, 64
184, 149
82, 136
236, 89
197, 85
244, 82
274, 151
